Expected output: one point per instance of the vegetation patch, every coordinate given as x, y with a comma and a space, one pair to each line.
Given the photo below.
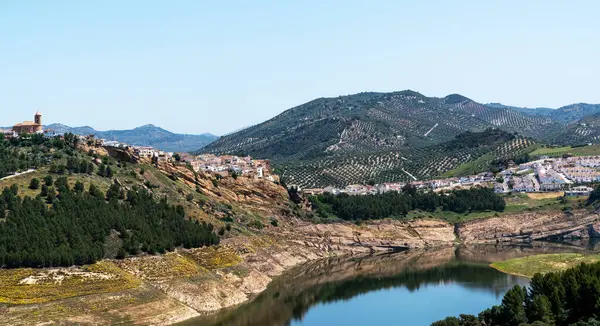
399, 204
545, 195
215, 257
170, 265
570, 297
560, 151
529, 266
27, 286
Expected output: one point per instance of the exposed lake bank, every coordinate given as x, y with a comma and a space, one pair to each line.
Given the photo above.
190, 283
313, 293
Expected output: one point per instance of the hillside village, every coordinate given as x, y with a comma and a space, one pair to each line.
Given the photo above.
224, 165
216, 165
569, 174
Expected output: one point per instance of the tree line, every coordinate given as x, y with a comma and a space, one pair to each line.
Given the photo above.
398, 204
70, 226
571, 297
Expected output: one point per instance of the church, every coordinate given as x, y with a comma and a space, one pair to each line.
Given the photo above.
30, 127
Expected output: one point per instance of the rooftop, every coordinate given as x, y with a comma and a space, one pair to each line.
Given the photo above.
27, 123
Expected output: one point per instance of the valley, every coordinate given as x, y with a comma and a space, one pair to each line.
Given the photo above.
262, 232
230, 231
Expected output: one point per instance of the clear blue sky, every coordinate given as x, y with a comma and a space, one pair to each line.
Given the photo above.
215, 66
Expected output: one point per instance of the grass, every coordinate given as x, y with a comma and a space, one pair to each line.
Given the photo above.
55, 284
215, 257
545, 195
515, 203
22, 181
551, 151
559, 151
531, 265
170, 265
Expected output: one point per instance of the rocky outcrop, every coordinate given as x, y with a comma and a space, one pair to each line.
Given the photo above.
245, 192
120, 154
594, 230
525, 227
380, 235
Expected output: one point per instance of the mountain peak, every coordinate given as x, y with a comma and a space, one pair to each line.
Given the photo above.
455, 98
147, 126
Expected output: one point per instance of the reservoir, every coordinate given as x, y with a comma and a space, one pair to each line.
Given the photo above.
415, 287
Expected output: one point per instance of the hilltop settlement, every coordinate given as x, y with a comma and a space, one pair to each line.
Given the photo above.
224, 165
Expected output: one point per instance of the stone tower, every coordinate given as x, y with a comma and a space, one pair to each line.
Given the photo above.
38, 118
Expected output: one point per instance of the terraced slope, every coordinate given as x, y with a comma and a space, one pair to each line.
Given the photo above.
378, 136
410, 164
372, 123
586, 130
566, 115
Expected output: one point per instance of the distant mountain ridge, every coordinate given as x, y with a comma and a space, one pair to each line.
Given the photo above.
566, 114
147, 135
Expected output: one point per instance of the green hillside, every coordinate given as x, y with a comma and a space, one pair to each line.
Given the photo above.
470, 152
373, 136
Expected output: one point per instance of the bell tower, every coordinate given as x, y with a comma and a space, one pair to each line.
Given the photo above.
38, 118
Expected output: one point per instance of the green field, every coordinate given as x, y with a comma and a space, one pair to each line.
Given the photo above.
515, 203
559, 151
529, 266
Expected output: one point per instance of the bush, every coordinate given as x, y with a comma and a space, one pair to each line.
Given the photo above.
274, 222
34, 184
256, 224
48, 180
189, 197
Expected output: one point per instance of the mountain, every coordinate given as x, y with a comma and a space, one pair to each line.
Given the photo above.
584, 131
469, 152
373, 136
373, 122
148, 135
566, 114
544, 112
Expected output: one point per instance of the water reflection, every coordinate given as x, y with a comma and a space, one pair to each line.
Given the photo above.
338, 280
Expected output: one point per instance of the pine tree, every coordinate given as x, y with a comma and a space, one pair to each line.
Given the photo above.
34, 184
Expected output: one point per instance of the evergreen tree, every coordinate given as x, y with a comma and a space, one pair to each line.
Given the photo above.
49, 181
34, 184
79, 187
102, 170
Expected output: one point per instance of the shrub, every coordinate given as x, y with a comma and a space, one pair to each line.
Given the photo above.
48, 180
34, 184
256, 224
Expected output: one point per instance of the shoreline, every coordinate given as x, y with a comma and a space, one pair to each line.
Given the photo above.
191, 283
508, 273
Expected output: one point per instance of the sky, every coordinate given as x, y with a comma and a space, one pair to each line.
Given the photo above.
217, 66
